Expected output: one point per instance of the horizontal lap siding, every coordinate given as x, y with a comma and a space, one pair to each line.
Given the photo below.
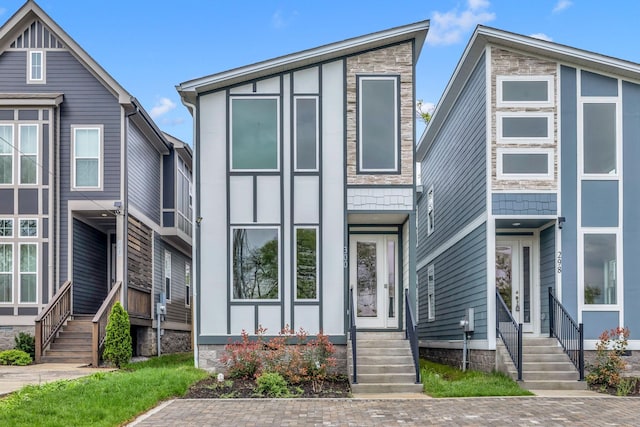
547, 273
455, 166
89, 268
144, 174
176, 310
460, 282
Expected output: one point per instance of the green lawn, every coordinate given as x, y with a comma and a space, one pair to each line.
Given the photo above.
104, 398
446, 381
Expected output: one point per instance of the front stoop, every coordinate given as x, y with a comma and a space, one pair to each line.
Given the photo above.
72, 344
385, 364
545, 366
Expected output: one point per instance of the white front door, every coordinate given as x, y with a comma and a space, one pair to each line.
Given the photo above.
373, 279
517, 279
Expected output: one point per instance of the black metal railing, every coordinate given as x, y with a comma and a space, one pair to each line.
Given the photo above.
567, 331
352, 337
510, 331
412, 335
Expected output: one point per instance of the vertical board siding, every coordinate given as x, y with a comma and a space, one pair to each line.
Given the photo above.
460, 282
89, 268
143, 174
547, 274
176, 310
455, 166
631, 200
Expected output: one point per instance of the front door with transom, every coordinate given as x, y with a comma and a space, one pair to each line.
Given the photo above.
373, 279
516, 276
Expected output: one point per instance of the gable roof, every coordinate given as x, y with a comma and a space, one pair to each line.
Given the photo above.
487, 36
190, 89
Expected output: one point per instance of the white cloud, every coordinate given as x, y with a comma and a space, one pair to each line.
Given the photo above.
449, 27
562, 5
277, 21
162, 107
541, 36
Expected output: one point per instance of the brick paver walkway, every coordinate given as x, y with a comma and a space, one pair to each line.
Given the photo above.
512, 411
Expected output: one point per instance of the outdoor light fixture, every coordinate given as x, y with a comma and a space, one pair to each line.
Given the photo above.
561, 221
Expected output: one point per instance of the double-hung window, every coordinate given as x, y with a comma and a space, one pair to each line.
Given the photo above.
28, 273
28, 149
378, 128
6, 273
36, 68
255, 133
306, 263
87, 157
6, 154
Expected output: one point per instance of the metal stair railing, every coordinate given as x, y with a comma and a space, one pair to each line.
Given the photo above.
510, 332
412, 335
567, 331
352, 337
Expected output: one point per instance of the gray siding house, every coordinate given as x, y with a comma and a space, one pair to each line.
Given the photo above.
95, 201
528, 184
305, 177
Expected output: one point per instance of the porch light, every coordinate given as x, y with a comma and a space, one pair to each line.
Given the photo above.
515, 224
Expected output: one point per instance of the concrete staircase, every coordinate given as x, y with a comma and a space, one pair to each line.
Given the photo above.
72, 344
545, 366
385, 364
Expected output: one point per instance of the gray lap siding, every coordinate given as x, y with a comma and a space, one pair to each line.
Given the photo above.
176, 310
143, 174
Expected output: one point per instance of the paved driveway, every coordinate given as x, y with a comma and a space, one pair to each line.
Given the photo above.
518, 411
13, 378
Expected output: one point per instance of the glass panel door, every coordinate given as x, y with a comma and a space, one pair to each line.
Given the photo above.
515, 278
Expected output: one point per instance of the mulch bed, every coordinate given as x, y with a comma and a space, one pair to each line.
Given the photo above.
210, 388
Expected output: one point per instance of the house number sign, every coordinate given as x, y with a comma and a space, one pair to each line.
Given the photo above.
345, 257
559, 262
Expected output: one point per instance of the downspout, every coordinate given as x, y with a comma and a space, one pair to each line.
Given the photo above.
195, 232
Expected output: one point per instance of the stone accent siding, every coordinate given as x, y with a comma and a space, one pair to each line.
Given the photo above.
505, 63
392, 60
172, 341
524, 204
379, 199
8, 334
479, 360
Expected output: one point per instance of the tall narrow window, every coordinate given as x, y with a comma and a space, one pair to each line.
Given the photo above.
36, 67
87, 150
6, 273
6, 154
600, 271
255, 263
431, 215
306, 263
28, 273
254, 133
431, 294
28, 154
378, 124
167, 275
599, 139
187, 284
306, 133
184, 197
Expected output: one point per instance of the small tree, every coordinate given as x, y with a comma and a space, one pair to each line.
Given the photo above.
117, 344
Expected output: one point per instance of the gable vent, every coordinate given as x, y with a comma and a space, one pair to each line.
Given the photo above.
36, 36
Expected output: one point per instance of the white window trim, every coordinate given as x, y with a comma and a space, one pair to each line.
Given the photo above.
295, 262
10, 155
619, 305
295, 134
167, 275
22, 153
550, 102
525, 176
430, 215
186, 215
13, 224
12, 273
100, 129
17, 257
431, 291
187, 284
20, 228
278, 133
280, 262
396, 142
43, 56
549, 139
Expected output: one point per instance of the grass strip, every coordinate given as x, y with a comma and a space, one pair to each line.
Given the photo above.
104, 398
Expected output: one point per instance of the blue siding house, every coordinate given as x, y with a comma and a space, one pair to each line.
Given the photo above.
95, 201
528, 185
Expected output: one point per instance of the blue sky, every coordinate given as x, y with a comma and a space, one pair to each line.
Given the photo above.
149, 46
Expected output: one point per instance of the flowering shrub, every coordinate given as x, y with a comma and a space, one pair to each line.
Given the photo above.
608, 365
293, 355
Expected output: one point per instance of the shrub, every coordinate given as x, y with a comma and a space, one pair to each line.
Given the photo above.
242, 358
15, 357
605, 371
272, 384
117, 344
26, 342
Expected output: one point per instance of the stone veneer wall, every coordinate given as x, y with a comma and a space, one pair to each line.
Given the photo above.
393, 60
508, 63
172, 341
8, 334
479, 360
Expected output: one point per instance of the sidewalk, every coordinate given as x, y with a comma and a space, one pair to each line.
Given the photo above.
13, 378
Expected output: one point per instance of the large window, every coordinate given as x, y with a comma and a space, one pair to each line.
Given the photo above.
87, 157
6, 154
378, 123
185, 197
599, 138
306, 133
600, 269
28, 273
28, 154
306, 263
6, 273
36, 71
516, 91
254, 133
256, 263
